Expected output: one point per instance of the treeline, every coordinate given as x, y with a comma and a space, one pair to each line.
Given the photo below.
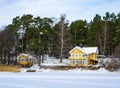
39, 36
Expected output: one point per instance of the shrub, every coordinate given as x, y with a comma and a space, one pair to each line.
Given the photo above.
113, 65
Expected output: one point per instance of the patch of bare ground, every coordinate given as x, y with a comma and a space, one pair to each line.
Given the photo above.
70, 67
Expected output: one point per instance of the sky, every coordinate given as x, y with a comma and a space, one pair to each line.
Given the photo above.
73, 9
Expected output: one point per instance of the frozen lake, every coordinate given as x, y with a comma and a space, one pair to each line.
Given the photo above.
60, 80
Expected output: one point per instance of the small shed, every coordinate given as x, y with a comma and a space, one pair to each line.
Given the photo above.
25, 60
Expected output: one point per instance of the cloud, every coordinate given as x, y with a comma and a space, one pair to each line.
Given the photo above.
74, 9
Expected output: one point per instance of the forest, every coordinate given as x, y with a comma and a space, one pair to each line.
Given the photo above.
39, 36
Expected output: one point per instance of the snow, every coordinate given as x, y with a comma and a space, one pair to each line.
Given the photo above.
51, 61
60, 79
75, 70
27, 55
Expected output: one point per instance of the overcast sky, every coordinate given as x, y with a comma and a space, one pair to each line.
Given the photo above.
74, 9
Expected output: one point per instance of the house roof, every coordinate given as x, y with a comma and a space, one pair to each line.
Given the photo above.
26, 55
87, 50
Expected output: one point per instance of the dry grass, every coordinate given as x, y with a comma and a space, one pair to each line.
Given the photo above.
6, 68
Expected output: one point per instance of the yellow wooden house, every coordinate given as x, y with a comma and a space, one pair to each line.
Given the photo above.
83, 56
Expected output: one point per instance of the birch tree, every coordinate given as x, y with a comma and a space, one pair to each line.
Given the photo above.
60, 38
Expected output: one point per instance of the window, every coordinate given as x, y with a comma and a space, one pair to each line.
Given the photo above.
81, 55
82, 62
85, 55
72, 55
22, 60
73, 62
76, 55
77, 62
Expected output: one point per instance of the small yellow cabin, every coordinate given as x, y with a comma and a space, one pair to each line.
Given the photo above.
25, 60
83, 56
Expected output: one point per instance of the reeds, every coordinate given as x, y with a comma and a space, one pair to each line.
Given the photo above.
8, 68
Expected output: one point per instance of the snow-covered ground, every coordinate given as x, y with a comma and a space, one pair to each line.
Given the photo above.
46, 78
52, 61
61, 79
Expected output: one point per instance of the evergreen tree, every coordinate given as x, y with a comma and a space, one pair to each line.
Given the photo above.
79, 33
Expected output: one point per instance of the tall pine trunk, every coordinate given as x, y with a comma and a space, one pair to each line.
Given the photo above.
105, 38
62, 43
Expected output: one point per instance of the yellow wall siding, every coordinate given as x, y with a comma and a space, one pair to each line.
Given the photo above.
23, 63
80, 58
76, 51
93, 56
90, 62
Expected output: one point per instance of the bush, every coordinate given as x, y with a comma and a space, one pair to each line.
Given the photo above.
113, 65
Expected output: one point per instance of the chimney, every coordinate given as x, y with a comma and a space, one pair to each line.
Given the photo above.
81, 46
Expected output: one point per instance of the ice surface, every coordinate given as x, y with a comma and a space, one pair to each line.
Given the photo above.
61, 79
